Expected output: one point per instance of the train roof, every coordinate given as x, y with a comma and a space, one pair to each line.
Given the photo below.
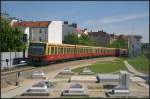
69, 45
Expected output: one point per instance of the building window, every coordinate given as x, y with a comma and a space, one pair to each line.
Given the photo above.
40, 30
132, 46
40, 39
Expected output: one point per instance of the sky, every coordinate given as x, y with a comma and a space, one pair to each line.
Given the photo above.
119, 17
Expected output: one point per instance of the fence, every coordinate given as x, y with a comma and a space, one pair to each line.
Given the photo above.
11, 59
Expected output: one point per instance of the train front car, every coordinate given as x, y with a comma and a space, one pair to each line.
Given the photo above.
37, 53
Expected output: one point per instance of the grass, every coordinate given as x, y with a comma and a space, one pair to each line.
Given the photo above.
97, 87
105, 67
141, 63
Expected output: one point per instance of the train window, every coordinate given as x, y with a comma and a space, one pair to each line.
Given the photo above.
62, 50
73, 51
70, 50
52, 50
78, 50
59, 50
49, 50
82, 50
67, 50
56, 50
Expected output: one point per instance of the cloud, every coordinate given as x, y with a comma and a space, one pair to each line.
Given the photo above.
114, 19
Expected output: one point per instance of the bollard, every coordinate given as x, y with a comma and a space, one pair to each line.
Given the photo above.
17, 83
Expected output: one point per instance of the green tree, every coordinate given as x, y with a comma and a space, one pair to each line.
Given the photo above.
10, 38
71, 38
119, 43
85, 40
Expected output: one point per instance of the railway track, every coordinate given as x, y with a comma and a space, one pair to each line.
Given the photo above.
45, 68
17, 70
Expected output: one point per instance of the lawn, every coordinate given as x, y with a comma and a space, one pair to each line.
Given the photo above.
141, 63
105, 67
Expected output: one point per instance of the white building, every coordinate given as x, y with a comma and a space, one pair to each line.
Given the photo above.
41, 31
134, 45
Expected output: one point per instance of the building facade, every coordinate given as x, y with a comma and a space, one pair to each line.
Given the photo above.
41, 31
101, 38
71, 28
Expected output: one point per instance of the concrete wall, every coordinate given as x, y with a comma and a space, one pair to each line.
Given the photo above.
11, 56
134, 46
55, 32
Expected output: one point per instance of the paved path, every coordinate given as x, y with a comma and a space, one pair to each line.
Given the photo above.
133, 70
18, 89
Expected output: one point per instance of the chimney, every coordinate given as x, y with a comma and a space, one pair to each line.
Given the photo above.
65, 22
85, 29
74, 25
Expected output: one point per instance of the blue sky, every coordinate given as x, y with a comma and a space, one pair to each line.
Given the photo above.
120, 17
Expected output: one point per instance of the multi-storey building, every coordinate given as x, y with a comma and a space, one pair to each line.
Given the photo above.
70, 28
41, 31
101, 38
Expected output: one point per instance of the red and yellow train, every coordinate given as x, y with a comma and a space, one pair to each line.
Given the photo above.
43, 53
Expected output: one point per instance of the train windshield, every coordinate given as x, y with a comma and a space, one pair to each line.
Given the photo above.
36, 49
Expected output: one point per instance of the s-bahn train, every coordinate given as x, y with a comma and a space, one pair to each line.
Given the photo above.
43, 53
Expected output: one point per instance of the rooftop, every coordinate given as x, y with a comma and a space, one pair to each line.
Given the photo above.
32, 24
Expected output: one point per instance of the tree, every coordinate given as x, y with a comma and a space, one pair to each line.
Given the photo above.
71, 38
10, 38
85, 40
119, 43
